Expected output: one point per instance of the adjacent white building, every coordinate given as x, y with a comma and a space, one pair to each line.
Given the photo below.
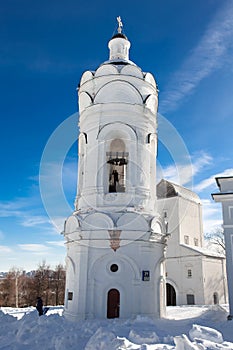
115, 238
225, 196
194, 274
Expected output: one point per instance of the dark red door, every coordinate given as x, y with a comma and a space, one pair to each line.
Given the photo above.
113, 305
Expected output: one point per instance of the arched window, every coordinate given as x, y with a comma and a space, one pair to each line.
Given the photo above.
215, 298
117, 159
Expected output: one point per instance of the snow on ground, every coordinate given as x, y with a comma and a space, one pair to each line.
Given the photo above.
185, 328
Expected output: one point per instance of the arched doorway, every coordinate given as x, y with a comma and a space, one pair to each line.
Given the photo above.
113, 304
171, 295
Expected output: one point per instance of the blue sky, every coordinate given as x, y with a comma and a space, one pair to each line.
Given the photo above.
46, 46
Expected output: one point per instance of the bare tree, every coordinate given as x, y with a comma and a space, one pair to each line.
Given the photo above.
216, 239
19, 289
58, 284
42, 282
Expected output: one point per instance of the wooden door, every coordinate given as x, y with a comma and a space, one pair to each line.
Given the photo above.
113, 304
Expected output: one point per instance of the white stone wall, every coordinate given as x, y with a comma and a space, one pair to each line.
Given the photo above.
90, 256
225, 196
184, 219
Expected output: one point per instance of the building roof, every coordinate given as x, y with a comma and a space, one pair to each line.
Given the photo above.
204, 251
167, 189
219, 178
120, 35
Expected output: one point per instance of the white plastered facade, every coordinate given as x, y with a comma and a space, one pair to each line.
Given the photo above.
194, 274
225, 196
115, 238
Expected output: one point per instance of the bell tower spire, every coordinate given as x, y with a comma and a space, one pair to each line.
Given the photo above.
119, 45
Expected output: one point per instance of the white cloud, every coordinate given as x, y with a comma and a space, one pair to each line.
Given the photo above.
1, 234
5, 250
34, 220
34, 248
56, 243
206, 57
210, 181
212, 215
181, 174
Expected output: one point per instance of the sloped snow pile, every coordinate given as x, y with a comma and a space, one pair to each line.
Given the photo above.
201, 332
214, 313
104, 340
53, 332
143, 337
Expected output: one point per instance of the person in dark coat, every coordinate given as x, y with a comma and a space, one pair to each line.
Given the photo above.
39, 306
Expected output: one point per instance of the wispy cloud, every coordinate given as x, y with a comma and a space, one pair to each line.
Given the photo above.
211, 215
1, 234
34, 220
34, 248
210, 181
5, 250
56, 243
210, 53
181, 174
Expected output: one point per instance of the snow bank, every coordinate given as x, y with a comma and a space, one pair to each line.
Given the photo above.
200, 332
143, 336
53, 332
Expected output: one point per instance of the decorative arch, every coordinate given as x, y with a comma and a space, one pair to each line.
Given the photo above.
118, 91
150, 79
70, 262
85, 100
132, 70
151, 102
106, 261
71, 224
156, 226
97, 221
132, 221
86, 76
106, 69
117, 130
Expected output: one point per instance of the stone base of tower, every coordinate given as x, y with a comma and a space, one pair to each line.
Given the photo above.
116, 272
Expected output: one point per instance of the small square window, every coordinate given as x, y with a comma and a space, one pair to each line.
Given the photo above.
189, 273
196, 242
70, 295
190, 299
186, 239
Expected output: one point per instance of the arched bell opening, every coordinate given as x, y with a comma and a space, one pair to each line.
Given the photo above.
117, 160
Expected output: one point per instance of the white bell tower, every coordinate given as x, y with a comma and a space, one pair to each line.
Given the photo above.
115, 238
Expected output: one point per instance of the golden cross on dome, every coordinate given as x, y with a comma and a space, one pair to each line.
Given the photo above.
120, 24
